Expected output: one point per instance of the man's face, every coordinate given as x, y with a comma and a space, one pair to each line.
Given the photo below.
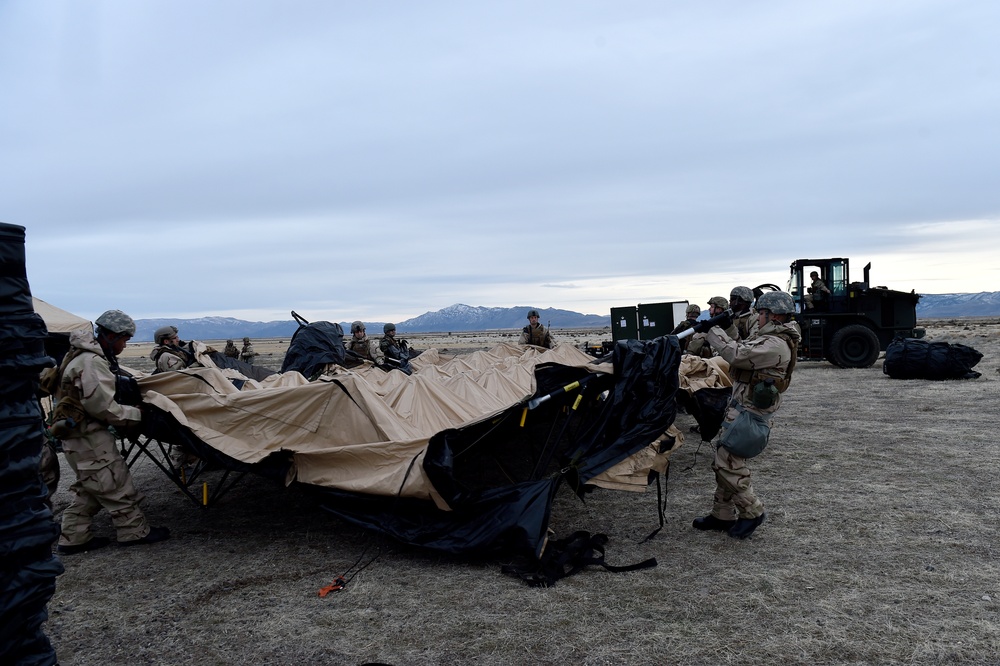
360, 333
118, 346
739, 305
391, 333
714, 310
533, 319
763, 316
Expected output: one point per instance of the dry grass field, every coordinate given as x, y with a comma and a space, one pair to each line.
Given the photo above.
881, 547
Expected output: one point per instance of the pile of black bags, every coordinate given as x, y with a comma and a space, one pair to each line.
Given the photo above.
914, 358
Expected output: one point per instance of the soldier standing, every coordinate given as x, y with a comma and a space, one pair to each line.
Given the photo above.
744, 317
231, 351
535, 333
247, 354
698, 343
761, 369
691, 315
85, 406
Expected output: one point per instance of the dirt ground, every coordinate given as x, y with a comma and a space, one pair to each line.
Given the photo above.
880, 547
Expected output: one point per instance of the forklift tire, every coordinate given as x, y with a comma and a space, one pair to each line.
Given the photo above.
854, 346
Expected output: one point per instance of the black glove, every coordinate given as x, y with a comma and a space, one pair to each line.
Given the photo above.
725, 320
702, 326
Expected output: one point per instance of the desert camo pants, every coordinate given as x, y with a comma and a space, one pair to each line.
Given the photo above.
103, 481
734, 496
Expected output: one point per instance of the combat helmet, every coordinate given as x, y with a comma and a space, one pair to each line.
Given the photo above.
778, 302
388, 327
719, 302
357, 326
742, 293
246, 340
116, 321
693, 308
533, 313
164, 332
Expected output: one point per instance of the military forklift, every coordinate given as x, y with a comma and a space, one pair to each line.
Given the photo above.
853, 322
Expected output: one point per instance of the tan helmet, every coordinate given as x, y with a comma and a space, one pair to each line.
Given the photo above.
357, 326
719, 302
533, 313
116, 321
164, 332
693, 309
246, 340
388, 327
229, 341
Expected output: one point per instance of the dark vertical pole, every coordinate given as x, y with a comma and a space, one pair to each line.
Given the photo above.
28, 569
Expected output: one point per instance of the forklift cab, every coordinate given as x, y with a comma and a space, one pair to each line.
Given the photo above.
833, 272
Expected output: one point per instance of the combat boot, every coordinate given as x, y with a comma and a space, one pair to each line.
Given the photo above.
155, 534
710, 522
93, 544
744, 527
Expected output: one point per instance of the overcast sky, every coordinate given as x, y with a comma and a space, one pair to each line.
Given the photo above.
379, 160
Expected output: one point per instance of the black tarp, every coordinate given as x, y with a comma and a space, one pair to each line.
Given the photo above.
28, 569
313, 346
916, 358
488, 471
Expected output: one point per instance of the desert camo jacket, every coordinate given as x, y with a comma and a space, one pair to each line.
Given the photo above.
93, 377
746, 324
767, 354
536, 335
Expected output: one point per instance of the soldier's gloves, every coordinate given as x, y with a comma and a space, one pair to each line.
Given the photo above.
702, 326
724, 320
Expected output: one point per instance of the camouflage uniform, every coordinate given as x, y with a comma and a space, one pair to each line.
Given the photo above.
103, 479
536, 335
698, 343
231, 351
691, 318
169, 357
819, 292
247, 355
363, 347
770, 354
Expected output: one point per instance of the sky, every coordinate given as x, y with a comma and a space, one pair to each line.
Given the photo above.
376, 161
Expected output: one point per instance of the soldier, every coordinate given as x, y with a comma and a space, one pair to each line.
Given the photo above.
698, 343
818, 291
247, 354
744, 317
360, 344
535, 333
231, 351
169, 353
86, 405
691, 317
761, 369
396, 352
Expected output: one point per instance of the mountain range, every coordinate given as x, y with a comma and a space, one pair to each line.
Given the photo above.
461, 317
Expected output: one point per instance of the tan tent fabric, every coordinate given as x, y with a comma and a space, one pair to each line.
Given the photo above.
632, 474
58, 320
362, 430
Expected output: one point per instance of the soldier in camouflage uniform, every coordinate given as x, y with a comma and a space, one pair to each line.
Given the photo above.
761, 369
535, 333
690, 318
698, 343
169, 354
85, 406
231, 351
744, 317
247, 354
360, 343
817, 291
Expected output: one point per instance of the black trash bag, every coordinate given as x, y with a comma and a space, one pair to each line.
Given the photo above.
314, 346
916, 358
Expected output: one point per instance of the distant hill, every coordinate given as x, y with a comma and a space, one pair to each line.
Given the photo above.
460, 317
